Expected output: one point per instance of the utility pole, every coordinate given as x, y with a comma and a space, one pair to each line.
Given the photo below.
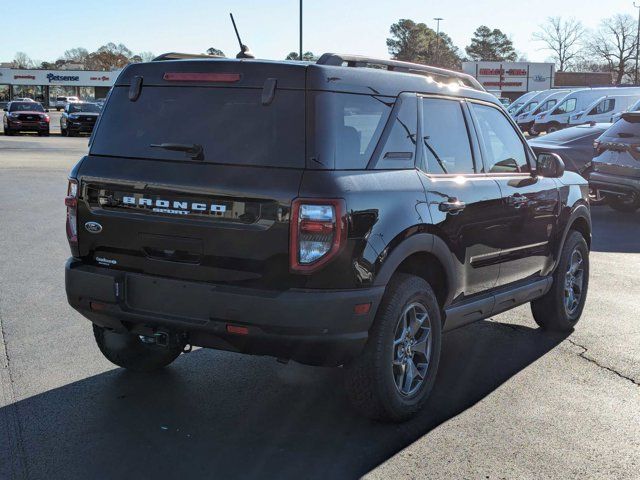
637, 43
300, 30
437, 19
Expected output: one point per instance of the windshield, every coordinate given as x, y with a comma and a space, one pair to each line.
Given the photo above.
545, 106
84, 107
25, 107
529, 107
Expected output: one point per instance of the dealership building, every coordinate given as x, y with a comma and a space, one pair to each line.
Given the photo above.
512, 79
45, 85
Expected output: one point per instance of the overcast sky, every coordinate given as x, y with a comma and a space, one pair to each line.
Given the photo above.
270, 28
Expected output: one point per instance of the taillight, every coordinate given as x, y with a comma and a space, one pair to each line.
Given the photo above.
597, 147
318, 231
71, 201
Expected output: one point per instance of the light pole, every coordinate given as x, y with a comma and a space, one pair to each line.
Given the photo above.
437, 19
300, 30
635, 81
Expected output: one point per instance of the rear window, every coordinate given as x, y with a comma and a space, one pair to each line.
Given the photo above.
627, 127
569, 134
230, 124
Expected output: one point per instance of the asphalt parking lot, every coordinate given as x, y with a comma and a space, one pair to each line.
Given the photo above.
510, 401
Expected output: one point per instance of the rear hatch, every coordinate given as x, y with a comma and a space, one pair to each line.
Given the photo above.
192, 169
618, 149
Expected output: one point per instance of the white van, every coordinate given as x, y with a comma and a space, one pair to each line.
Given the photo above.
520, 101
532, 103
525, 120
633, 108
603, 109
574, 105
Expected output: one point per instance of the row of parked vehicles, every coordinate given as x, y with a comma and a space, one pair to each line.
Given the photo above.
596, 132
26, 115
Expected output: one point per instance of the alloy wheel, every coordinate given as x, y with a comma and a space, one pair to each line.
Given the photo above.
574, 282
412, 349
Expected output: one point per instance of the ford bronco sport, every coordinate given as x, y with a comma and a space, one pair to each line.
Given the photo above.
326, 212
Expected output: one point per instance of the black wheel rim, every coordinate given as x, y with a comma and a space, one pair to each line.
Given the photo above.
574, 282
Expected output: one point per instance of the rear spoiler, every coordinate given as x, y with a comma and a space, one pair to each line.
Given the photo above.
181, 56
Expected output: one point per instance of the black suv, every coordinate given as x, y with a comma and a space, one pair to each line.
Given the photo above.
78, 118
25, 117
329, 213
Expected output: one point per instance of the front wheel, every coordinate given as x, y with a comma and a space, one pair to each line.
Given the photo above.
533, 132
625, 204
561, 307
134, 352
392, 378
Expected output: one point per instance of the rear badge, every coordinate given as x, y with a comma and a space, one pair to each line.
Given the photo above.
93, 227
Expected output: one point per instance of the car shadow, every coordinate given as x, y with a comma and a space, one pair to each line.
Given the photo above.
615, 231
222, 415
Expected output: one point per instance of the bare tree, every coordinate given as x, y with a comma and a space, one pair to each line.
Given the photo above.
22, 60
563, 38
615, 44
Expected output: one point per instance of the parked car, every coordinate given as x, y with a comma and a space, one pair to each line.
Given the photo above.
526, 119
78, 118
62, 102
604, 108
575, 145
25, 117
633, 108
573, 106
316, 218
616, 164
23, 99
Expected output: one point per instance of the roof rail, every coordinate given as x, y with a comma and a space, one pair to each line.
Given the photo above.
398, 66
179, 56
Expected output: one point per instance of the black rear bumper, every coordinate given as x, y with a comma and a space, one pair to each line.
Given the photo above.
310, 326
615, 184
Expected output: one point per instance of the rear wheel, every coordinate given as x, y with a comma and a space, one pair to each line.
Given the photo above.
134, 352
561, 307
553, 128
626, 204
533, 132
393, 377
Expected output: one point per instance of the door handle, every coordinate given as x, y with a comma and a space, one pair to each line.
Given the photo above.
517, 200
452, 206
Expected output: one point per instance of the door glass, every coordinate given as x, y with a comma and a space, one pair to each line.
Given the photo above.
504, 152
445, 137
567, 106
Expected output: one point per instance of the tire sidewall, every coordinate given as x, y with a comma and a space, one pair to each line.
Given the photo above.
410, 291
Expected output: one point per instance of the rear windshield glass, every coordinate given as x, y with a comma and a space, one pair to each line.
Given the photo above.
230, 124
84, 107
25, 107
345, 128
627, 127
570, 134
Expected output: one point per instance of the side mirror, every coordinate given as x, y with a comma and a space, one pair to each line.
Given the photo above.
549, 165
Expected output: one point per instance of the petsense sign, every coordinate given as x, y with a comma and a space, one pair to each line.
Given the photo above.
76, 78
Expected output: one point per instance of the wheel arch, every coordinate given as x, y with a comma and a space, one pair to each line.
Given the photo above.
425, 255
580, 221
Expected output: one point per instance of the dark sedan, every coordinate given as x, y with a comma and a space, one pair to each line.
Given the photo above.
25, 117
575, 147
616, 163
78, 118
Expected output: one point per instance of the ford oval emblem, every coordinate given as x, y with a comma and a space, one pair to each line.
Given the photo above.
93, 227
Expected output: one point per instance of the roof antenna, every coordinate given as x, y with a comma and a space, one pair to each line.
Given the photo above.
244, 50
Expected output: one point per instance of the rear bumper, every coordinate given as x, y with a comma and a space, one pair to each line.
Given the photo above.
310, 326
614, 184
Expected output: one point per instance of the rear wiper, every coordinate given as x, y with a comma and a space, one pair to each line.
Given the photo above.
193, 150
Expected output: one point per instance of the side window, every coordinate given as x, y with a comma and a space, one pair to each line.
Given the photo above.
445, 137
502, 148
399, 139
567, 106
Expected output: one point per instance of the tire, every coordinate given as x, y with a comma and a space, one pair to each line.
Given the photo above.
372, 378
128, 351
43, 134
70, 133
554, 311
533, 132
8, 132
626, 204
553, 128
63, 131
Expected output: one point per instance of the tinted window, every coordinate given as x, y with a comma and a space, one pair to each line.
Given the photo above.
529, 107
399, 146
546, 106
230, 124
567, 106
346, 128
627, 127
445, 137
83, 107
26, 106
503, 150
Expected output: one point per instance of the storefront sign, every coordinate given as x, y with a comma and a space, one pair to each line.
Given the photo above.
512, 76
79, 78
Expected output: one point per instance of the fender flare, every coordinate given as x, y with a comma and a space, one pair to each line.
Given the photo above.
419, 243
579, 211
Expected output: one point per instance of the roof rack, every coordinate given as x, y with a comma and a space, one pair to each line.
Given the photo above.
179, 56
360, 61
